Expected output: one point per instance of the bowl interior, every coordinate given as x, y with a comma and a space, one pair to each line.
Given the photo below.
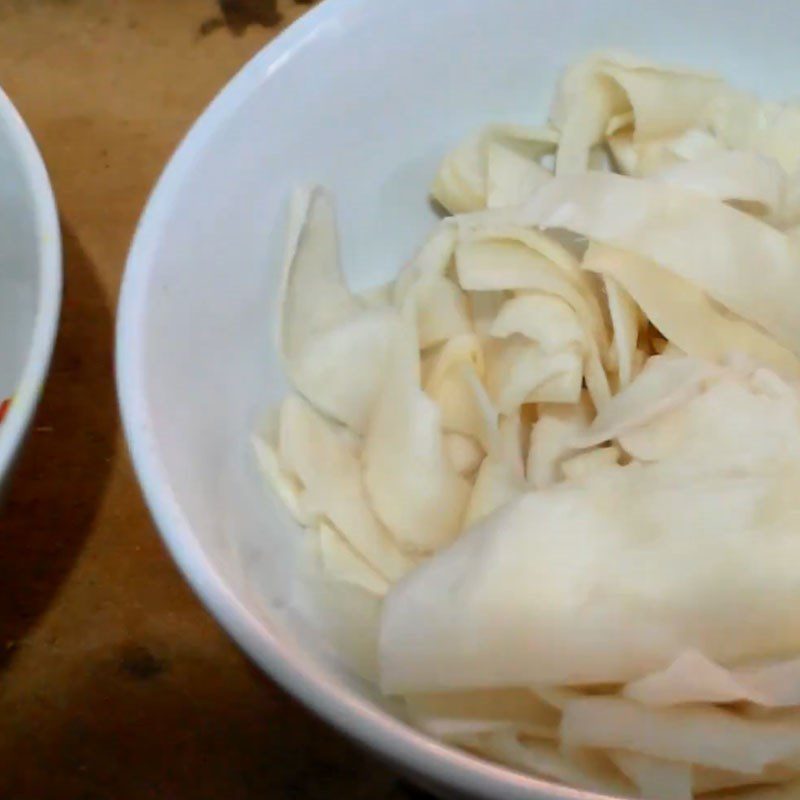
30, 276
363, 97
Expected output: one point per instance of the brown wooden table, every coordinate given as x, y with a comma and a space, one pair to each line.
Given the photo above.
115, 683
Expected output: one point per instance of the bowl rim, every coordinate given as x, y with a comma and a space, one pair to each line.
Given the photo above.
48, 303
374, 728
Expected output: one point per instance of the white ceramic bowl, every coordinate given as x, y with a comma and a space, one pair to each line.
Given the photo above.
364, 97
30, 278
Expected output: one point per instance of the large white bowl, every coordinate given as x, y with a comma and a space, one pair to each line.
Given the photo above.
362, 96
30, 278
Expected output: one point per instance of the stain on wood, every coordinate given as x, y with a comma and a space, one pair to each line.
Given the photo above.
138, 662
238, 15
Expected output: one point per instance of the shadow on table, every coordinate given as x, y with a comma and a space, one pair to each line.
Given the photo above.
187, 730
60, 479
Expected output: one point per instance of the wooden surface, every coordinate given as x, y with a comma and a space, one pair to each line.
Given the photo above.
114, 682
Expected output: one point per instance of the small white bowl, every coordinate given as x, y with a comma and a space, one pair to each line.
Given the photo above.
364, 97
30, 279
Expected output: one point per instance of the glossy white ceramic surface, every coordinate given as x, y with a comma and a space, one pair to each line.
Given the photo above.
30, 278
